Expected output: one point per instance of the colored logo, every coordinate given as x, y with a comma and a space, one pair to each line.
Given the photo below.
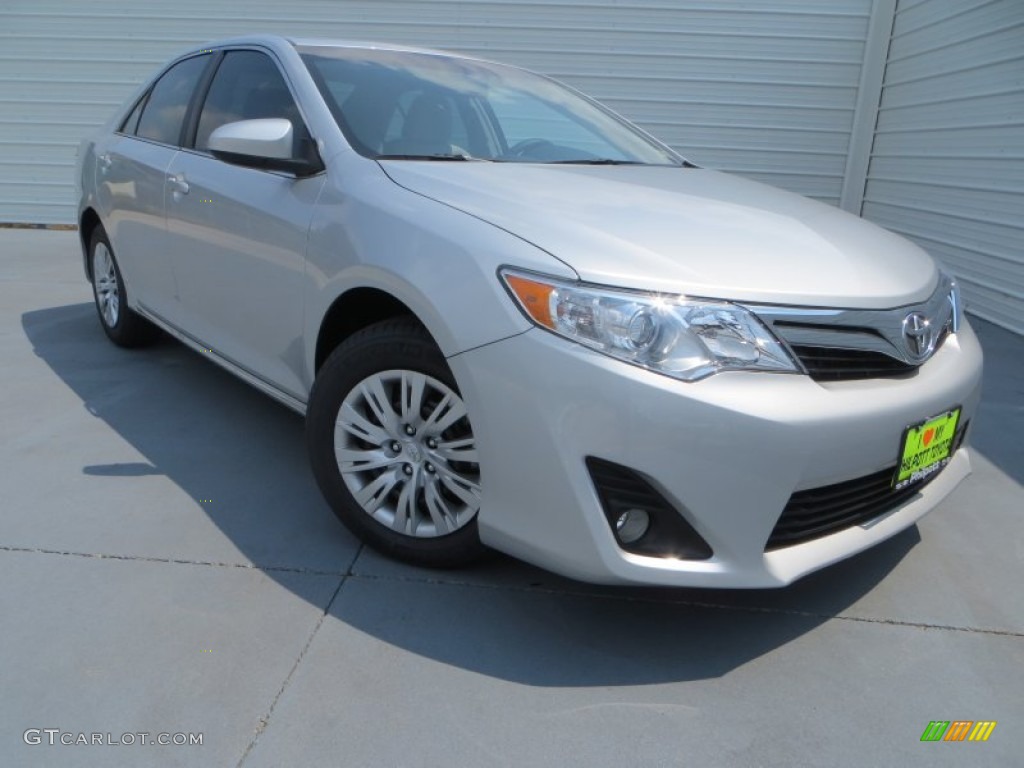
926, 448
958, 730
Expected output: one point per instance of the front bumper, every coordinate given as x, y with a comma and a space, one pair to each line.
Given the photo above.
727, 452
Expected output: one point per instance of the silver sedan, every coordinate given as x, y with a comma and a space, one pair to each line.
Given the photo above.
513, 320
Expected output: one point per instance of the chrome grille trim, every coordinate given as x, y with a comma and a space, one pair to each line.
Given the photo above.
879, 331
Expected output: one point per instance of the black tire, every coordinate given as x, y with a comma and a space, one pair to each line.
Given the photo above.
122, 326
379, 355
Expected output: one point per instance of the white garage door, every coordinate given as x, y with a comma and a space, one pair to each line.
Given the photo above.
947, 166
764, 87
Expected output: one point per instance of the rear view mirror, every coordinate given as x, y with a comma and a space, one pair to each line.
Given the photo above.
266, 143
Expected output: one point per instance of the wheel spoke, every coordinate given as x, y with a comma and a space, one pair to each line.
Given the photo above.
361, 461
445, 413
373, 494
467, 491
377, 399
412, 387
405, 510
463, 449
357, 425
444, 520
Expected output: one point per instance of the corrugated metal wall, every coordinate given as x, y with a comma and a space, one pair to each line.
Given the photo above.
767, 88
763, 87
947, 165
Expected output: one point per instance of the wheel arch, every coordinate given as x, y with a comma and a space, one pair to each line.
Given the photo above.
88, 221
353, 310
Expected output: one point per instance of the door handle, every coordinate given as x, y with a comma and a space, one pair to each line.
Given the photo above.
178, 184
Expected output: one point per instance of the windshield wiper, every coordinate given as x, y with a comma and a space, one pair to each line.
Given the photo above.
449, 158
595, 161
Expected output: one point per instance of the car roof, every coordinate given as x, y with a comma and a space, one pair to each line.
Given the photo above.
274, 41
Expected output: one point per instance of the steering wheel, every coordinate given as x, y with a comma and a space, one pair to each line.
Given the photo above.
526, 146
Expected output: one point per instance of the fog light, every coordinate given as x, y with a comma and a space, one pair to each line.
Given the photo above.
640, 518
632, 525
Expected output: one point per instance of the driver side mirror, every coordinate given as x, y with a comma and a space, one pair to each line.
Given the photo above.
265, 143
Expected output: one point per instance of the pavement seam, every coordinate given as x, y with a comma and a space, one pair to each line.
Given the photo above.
178, 561
695, 604
350, 574
265, 720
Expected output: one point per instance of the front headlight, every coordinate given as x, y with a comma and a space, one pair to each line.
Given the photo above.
955, 300
684, 338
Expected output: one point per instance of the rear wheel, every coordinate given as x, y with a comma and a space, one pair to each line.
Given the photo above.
392, 446
122, 326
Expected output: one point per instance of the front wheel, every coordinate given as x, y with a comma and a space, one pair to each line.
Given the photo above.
392, 446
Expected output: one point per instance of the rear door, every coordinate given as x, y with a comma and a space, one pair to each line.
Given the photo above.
131, 183
238, 234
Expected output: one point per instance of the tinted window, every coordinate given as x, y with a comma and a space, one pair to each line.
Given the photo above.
247, 86
425, 122
131, 123
168, 101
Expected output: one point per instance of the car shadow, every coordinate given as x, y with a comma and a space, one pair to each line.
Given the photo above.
215, 437
238, 456
513, 622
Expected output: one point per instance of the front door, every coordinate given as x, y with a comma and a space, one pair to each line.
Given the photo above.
238, 235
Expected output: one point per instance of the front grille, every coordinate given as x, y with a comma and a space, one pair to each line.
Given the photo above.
840, 364
845, 344
831, 364
819, 512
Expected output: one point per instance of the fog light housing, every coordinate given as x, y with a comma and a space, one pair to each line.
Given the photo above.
641, 519
632, 525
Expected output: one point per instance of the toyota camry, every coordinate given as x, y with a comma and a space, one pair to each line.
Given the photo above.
515, 321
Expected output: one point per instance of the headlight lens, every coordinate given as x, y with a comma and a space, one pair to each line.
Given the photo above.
955, 301
679, 337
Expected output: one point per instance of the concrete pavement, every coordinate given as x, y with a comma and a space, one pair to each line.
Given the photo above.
168, 566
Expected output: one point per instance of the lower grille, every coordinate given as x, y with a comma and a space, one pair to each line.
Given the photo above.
819, 512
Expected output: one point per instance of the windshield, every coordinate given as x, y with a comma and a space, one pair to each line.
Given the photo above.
404, 105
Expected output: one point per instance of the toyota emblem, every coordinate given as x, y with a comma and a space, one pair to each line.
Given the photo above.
918, 336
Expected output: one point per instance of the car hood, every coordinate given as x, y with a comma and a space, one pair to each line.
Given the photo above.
684, 230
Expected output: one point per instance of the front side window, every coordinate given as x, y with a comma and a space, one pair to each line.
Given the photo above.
401, 104
425, 121
164, 112
247, 86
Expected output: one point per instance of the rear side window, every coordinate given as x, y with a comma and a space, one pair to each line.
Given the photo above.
164, 112
247, 86
131, 123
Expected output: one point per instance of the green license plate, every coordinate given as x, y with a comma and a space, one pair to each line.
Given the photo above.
926, 448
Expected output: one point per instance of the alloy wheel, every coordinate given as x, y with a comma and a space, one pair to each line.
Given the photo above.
406, 452
104, 276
